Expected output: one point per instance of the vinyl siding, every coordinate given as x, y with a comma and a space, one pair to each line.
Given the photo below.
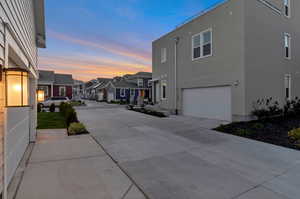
19, 14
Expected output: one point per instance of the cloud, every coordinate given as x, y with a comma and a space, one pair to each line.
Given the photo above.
114, 48
86, 67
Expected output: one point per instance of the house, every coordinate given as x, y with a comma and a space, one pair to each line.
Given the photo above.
55, 85
129, 87
100, 91
78, 89
224, 59
89, 91
19, 43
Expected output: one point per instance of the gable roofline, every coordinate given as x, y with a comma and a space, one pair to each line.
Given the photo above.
195, 17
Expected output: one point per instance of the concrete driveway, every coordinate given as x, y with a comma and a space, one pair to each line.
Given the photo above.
180, 157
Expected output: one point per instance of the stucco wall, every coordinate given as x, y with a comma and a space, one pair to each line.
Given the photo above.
265, 60
224, 67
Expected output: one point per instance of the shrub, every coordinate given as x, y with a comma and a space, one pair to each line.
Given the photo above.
62, 108
258, 126
39, 107
243, 132
266, 108
76, 129
294, 134
52, 108
70, 116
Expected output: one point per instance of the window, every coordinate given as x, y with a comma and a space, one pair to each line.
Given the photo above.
149, 84
122, 92
62, 91
287, 85
163, 90
140, 82
163, 55
287, 8
132, 92
202, 44
287, 45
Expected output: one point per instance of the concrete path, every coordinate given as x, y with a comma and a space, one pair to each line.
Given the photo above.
181, 158
63, 167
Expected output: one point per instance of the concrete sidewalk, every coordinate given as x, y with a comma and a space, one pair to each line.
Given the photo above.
73, 168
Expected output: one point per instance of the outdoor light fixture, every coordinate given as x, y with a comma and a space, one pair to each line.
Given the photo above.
40, 95
16, 81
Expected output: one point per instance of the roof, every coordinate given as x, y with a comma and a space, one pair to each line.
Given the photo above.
144, 74
46, 76
39, 6
63, 79
124, 84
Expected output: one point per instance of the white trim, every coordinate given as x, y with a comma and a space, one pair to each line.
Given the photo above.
202, 44
288, 85
122, 92
163, 55
289, 8
271, 6
162, 84
289, 45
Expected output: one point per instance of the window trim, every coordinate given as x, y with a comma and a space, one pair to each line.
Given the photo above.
163, 84
65, 91
289, 46
201, 44
122, 92
289, 8
288, 79
138, 82
163, 55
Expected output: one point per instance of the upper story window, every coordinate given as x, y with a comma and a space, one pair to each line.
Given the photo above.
140, 82
287, 45
163, 55
287, 8
202, 44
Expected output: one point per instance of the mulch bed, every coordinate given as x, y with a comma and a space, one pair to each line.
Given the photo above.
273, 131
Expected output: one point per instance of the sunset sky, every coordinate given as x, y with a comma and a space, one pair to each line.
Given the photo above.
107, 38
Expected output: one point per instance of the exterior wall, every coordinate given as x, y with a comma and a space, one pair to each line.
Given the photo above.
126, 97
2, 104
20, 47
17, 137
265, 62
55, 91
224, 67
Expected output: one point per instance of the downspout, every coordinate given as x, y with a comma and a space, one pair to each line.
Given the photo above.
175, 74
4, 191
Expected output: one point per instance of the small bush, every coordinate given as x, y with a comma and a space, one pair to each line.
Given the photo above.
52, 108
39, 107
295, 134
71, 116
243, 132
77, 129
266, 108
258, 126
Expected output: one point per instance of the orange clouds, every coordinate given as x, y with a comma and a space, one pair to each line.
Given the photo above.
89, 67
138, 55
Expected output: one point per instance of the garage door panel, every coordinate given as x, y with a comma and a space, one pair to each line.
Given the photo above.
214, 103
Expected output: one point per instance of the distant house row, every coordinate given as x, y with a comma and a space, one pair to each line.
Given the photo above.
128, 88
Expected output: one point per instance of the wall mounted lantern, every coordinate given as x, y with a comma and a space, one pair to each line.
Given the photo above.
17, 92
40, 95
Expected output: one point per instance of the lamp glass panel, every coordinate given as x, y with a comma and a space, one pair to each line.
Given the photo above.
25, 90
14, 89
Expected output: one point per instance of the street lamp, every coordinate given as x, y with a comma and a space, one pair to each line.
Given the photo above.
16, 81
40, 95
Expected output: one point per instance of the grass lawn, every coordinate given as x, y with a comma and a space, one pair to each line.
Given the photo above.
273, 131
48, 120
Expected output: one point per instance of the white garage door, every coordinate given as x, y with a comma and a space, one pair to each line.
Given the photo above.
213, 103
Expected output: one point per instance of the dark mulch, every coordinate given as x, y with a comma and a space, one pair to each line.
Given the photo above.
273, 131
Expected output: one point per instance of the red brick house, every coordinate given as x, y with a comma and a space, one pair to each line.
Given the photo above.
56, 85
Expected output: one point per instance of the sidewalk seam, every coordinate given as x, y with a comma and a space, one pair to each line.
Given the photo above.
119, 166
127, 191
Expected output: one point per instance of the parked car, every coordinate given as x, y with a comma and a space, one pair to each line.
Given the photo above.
55, 100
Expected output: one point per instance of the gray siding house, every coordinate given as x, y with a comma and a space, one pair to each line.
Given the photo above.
22, 32
217, 64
